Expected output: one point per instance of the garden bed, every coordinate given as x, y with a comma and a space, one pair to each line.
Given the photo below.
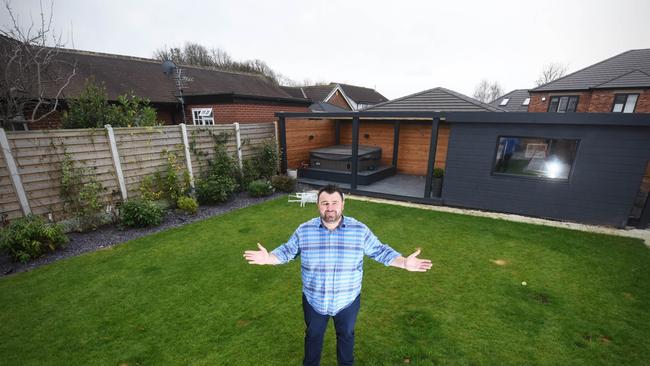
109, 235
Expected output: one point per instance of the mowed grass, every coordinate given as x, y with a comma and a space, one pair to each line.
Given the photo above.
187, 297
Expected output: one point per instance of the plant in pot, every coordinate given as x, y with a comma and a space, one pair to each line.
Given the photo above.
436, 182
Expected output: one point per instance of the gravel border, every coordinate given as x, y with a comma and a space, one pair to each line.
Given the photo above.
110, 235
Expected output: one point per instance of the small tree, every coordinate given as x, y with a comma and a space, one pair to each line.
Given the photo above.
32, 73
92, 110
550, 72
487, 92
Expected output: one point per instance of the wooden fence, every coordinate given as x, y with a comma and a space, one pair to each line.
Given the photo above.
119, 158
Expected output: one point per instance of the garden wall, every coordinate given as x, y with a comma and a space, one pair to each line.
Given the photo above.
38, 157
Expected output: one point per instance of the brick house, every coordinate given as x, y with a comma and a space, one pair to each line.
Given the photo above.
619, 84
211, 96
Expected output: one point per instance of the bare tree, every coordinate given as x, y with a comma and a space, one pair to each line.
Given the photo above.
486, 92
32, 75
198, 55
551, 72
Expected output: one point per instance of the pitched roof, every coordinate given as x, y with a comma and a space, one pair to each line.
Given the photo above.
435, 100
326, 107
145, 78
294, 91
316, 93
629, 69
515, 101
362, 95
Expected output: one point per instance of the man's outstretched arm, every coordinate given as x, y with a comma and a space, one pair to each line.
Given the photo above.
261, 256
412, 263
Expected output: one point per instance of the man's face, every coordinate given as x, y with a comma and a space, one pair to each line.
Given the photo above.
330, 207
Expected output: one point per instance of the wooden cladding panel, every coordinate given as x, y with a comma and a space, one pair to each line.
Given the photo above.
413, 147
306, 135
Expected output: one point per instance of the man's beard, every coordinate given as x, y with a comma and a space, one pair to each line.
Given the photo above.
330, 218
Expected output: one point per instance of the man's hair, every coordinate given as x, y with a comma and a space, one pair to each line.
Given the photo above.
329, 189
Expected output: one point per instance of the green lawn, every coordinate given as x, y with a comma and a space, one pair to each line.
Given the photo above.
187, 297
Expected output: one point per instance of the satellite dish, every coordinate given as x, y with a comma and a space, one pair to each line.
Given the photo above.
168, 67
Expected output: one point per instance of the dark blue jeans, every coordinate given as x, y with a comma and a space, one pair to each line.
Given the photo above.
316, 324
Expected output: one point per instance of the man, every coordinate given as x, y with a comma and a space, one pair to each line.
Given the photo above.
331, 249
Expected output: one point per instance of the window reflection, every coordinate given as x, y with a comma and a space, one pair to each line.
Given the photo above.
536, 157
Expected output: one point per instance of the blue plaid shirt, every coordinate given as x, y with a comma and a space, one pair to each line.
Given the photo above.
332, 261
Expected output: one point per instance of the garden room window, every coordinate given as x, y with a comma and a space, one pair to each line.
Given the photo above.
202, 116
625, 103
535, 157
563, 104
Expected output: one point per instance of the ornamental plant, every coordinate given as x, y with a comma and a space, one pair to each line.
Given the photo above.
140, 213
30, 237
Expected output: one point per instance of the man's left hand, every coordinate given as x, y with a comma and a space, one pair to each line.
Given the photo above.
414, 264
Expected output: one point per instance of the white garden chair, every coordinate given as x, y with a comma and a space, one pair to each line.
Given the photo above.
304, 197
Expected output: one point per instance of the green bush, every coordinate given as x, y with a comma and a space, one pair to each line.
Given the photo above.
438, 172
260, 188
283, 183
92, 109
263, 164
140, 213
187, 204
29, 237
215, 189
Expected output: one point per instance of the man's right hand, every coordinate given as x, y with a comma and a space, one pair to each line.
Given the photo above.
261, 256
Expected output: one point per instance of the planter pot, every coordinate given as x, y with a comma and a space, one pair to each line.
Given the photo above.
436, 187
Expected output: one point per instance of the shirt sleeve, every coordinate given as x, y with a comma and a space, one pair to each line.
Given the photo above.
289, 250
377, 250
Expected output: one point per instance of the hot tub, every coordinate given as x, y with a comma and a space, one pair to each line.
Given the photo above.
339, 158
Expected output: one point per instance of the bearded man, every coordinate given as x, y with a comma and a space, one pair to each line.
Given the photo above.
331, 249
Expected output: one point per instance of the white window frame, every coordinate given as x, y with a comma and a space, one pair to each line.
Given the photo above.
526, 101
504, 101
202, 116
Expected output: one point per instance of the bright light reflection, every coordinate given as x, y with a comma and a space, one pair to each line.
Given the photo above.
553, 169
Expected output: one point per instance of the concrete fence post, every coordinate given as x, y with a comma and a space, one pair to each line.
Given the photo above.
13, 173
238, 139
188, 157
116, 161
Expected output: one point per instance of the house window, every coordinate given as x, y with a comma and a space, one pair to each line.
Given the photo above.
202, 116
562, 104
535, 157
504, 101
526, 101
624, 103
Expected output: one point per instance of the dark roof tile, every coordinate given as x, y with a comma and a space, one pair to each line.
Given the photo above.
605, 72
435, 100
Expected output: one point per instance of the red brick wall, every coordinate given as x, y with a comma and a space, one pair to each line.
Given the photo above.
244, 113
52, 121
338, 100
599, 101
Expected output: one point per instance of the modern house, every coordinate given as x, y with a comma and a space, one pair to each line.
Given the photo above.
620, 84
515, 101
344, 96
210, 96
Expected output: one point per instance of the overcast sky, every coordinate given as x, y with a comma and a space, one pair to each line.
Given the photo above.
397, 47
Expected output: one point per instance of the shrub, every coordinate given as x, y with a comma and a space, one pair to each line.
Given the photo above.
140, 213
81, 193
283, 183
187, 204
438, 172
260, 188
263, 165
215, 189
29, 237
